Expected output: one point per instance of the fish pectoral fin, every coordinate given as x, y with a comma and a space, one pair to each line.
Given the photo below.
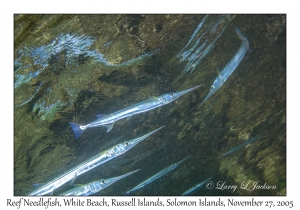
109, 126
98, 116
128, 118
73, 180
51, 193
218, 71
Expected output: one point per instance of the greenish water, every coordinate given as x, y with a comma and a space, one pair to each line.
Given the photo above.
139, 60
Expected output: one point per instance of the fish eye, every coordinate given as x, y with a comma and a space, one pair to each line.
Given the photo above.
172, 95
102, 182
212, 87
126, 144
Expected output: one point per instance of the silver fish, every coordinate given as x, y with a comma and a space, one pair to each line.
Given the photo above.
89, 164
196, 186
95, 186
158, 175
230, 67
240, 146
109, 120
202, 41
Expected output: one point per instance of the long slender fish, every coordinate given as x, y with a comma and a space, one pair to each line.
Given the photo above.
230, 67
240, 146
203, 41
95, 186
158, 175
89, 164
196, 186
109, 120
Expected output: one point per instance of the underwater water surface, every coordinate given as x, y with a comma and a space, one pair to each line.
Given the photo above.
70, 68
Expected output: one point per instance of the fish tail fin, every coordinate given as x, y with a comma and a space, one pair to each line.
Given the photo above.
76, 129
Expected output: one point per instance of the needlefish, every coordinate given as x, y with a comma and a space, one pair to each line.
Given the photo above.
241, 146
144, 106
196, 186
230, 66
157, 176
95, 186
89, 164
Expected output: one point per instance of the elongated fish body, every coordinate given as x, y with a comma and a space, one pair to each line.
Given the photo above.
230, 67
89, 164
109, 120
95, 186
158, 175
241, 146
196, 187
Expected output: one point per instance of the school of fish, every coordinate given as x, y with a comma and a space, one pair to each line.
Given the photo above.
108, 121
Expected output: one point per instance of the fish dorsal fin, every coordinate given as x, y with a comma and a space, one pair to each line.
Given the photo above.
37, 185
98, 116
109, 126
